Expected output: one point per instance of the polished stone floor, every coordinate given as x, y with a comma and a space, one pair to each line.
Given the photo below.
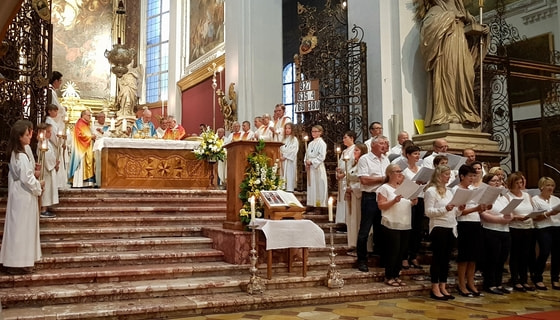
420, 307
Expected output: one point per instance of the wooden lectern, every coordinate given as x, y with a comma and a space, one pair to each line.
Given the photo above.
237, 152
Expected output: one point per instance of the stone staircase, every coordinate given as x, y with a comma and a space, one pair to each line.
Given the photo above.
129, 254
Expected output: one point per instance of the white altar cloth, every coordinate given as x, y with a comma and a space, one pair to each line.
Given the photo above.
282, 234
107, 142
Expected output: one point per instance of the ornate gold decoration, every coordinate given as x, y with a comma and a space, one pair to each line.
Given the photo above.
42, 8
228, 105
120, 57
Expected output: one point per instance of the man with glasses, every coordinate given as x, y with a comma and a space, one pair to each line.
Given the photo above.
439, 147
375, 130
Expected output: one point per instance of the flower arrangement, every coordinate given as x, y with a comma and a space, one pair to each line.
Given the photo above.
258, 176
211, 147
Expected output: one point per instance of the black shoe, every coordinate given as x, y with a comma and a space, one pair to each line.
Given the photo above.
468, 294
415, 266
540, 287
363, 267
433, 296
528, 287
519, 288
449, 297
47, 214
494, 290
555, 287
505, 290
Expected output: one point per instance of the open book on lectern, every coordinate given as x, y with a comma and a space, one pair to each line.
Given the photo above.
279, 198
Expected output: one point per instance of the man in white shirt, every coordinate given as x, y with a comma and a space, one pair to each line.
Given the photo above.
375, 129
264, 131
371, 171
397, 149
280, 119
99, 126
439, 147
235, 134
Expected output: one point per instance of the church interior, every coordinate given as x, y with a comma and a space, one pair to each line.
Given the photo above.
163, 232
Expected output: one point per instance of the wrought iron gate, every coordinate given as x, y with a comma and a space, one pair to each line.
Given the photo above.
24, 62
326, 54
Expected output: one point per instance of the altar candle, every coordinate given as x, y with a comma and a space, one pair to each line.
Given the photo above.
123, 124
112, 124
330, 209
252, 202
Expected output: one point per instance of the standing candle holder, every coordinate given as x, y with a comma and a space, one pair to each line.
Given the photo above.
256, 283
334, 281
43, 149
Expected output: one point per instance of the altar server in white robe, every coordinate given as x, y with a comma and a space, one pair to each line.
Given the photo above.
288, 156
348, 153
315, 166
51, 165
58, 138
21, 246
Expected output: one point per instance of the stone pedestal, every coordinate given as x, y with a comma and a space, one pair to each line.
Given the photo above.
486, 150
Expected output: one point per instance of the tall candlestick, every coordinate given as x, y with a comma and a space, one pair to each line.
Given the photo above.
330, 203
124, 124
112, 124
252, 202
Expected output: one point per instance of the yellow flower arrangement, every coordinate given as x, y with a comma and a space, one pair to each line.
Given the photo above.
211, 147
260, 175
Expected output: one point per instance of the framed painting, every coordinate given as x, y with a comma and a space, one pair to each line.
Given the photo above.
206, 27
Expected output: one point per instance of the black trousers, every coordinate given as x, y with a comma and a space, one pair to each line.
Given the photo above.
496, 250
371, 216
396, 245
522, 255
443, 241
415, 238
544, 239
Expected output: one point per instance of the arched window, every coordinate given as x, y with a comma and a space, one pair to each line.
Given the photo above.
157, 50
288, 89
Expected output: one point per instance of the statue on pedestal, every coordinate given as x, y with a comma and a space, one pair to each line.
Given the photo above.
130, 85
450, 40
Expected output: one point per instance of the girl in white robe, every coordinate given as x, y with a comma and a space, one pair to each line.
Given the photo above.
51, 165
58, 138
288, 156
348, 154
21, 246
315, 166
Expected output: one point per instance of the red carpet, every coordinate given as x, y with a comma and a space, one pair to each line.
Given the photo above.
548, 315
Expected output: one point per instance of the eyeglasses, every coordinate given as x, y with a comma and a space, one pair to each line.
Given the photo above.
377, 128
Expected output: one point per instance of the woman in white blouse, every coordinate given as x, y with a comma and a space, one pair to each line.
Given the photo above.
315, 166
545, 225
497, 242
412, 154
348, 154
443, 229
396, 222
288, 156
522, 234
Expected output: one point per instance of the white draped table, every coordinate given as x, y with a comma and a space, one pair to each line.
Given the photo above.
284, 234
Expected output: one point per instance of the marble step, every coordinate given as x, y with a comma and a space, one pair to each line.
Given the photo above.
145, 201
65, 221
123, 232
42, 295
123, 245
192, 297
